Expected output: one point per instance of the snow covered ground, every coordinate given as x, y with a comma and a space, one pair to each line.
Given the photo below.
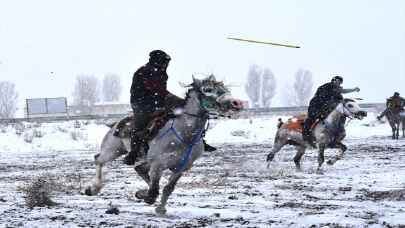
231, 187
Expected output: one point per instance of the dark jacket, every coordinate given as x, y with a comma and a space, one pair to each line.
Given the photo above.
395, 102
149, 88
325, 96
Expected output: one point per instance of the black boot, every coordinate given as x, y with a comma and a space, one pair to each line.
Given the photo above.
132, 156
208, 147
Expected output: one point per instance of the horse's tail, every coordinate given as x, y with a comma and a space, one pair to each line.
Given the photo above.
280, 123
111, 125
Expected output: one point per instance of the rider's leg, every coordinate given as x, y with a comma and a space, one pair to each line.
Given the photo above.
141, 120
309, 121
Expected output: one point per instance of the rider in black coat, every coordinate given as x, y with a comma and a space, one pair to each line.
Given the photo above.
326, 97
149, 96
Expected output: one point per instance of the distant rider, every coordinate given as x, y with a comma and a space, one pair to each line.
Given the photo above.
325, 99
396, 104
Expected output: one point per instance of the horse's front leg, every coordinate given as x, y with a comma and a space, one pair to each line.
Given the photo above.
143, 172
167, 191
342, 149
155, 174
321, 156
397, 135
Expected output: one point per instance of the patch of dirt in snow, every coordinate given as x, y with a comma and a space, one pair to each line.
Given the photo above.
393, 195
231, 187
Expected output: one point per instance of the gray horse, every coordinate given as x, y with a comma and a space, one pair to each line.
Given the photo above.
396, 119
177, 145
329, 133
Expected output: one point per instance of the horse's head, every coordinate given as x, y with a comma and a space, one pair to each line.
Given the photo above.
214, 96
352, 109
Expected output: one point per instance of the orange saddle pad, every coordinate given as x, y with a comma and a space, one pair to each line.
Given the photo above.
295, 123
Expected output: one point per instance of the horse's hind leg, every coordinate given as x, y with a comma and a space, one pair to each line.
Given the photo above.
167, 191
106, 155
276, 148
403, 129
298, 156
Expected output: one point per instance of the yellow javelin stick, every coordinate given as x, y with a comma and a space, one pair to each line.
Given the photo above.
264, 42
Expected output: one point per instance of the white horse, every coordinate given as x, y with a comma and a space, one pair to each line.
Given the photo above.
328, 133
177, 145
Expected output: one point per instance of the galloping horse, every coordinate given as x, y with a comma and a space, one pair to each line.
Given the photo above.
177, 145
329, 133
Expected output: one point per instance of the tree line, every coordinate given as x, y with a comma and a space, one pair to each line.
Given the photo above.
88, 90
261, 87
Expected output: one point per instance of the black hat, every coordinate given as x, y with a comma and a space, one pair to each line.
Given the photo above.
396, 94
159, 56
337, 77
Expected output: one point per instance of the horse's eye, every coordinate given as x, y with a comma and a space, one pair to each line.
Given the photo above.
207, 90
350, 106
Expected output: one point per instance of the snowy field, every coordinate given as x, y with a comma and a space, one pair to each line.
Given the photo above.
231, 187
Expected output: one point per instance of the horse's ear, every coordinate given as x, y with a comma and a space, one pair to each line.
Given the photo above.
196, 82
212, 78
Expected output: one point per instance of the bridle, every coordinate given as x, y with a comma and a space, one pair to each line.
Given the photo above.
204, 113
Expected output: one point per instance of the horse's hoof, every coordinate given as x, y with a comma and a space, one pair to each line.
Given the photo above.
330, 162
90, 192
141, 194
319, 171
150, 200
160, 210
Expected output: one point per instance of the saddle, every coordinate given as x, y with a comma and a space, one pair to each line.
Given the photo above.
296, 123
158, 121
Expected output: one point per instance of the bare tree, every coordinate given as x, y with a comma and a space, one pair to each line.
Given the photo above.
86, 92
8, 100
301, 91
252, 87
111, 87
261, 86
269, 86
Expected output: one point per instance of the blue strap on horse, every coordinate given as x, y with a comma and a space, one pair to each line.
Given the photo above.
196, 138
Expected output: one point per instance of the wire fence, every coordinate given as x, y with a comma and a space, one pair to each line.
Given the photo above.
371, 107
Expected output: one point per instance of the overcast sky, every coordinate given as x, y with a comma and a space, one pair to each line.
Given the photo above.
362, 40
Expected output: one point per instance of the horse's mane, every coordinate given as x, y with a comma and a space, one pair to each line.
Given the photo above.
192, 86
